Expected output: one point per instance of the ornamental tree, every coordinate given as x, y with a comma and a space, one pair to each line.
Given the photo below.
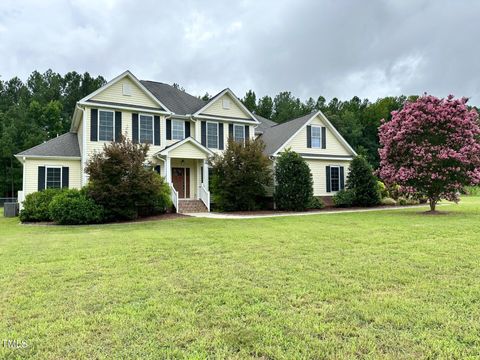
431, 148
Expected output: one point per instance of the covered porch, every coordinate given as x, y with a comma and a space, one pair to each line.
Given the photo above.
185, 168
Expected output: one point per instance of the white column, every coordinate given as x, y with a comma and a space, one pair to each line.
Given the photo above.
168, 170
205, 173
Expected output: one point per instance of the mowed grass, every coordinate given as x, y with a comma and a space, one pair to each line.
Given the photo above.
389, 285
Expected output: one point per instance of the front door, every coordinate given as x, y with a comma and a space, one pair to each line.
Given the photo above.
181, 181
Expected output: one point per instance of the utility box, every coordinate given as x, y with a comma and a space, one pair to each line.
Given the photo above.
10, 209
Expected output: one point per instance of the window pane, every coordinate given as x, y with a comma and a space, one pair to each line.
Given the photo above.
105, 126
238, 133
335, 178
316, 136
54, 178
146, 129
212, 135
178, 129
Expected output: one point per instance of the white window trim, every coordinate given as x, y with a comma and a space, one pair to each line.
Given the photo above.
113, 124
183, 128
311, 136
153, 127
46, 174
243, 131
218, 135
331, 187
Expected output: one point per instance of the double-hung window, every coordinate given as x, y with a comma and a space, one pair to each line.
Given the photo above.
316, 136
178, 129
146, 129
53, 179
239, 133
335, 178
212, 135
105, 125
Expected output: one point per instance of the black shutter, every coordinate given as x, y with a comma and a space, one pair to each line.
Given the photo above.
157, 169
65, 176
324, 137
342, 178
247, 132
204, 133
156, 130
169, 129
187, 129
220, 136
118, 125
230, 131
93, 125
328, 178
41, 178
309, 136
135, 128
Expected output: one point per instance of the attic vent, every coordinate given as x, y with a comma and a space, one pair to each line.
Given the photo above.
127, 89
226, 104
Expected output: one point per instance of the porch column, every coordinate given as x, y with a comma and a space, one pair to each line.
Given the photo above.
205, 174
168, 170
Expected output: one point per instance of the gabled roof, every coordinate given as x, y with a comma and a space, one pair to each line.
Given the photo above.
235, 99
189, 139
277, 135
176, 100
65, 145
135, 81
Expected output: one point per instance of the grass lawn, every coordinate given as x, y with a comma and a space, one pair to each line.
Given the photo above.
391, 284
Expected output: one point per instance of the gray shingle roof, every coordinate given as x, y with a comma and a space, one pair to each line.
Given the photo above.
277, 135
63, 145
264, 124
174, 99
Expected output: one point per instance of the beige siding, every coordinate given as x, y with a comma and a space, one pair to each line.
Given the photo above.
334, 147
187, 151
114, 93
216, 108
318, 169
31, 172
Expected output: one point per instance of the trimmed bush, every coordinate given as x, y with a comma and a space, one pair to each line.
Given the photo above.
294, 182
35, 205
343, 198
73, 207
316, 203
388, 201
240, 176
362, 183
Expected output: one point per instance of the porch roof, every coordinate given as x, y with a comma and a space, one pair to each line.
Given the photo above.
188, 148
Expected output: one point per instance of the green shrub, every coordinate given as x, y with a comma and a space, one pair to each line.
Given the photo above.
407, 201
472, 190
122, 185
240, 176
362, 183
316, 203
388, 201
343, 198
294, 182
382, 190
73, 207
35, 205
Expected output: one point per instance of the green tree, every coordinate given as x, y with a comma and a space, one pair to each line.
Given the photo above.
265, 107
362, 183
250, 101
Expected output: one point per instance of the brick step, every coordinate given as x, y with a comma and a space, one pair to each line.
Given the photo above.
190, 206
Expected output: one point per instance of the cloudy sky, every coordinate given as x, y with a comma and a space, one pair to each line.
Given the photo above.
334, 48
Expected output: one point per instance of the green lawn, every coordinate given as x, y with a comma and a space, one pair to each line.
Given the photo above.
395, 284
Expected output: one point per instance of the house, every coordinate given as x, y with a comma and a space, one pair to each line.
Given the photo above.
184, 132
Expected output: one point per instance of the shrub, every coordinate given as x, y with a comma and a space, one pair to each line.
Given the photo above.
316, 203
294, 182
388, 201
73, 207
362, 183
472, 190
382, 190
240, 176
343, 198
35, 205
121, 183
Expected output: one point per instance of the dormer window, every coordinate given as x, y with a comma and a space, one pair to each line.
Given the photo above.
226, 104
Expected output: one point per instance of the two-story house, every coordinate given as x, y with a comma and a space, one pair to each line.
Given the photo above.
183, 132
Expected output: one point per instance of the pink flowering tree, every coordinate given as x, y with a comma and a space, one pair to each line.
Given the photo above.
431, 148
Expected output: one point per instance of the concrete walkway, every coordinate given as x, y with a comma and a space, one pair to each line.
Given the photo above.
214, 215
